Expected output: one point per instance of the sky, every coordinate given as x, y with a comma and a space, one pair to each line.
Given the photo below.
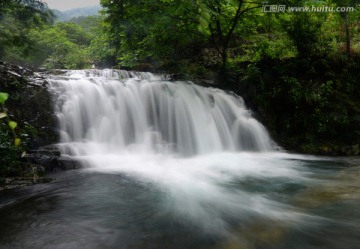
70, 4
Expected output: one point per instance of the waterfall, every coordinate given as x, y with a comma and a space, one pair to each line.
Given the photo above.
121, 110
159, 152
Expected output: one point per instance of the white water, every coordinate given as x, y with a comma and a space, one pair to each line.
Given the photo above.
197, 146
145, 113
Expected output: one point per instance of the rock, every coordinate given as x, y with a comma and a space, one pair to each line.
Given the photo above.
356, 149
46, 159
50, 158
29, 104
67, 163
16, 182
352, 150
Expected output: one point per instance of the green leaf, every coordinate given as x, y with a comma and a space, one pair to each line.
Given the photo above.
3, 115
206, 16
3, 97
203, 23
23, 154
17, 142
12, 125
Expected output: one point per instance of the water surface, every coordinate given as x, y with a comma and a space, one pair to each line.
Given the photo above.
229, 200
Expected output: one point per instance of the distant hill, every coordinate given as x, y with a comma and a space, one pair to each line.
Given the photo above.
62, 16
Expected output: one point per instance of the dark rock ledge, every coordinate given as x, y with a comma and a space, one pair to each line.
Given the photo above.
16, 182
30, 105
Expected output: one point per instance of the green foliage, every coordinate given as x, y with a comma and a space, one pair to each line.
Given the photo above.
74, 33
136, 32
64, 45
305, 31
9, 153
28, 37
12, 125
159, 32
16, 19
89, 23
3, 98
163, 31
10, 144
308, 100
17, 142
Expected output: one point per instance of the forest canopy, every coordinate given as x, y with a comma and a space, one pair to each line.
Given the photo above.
177, 35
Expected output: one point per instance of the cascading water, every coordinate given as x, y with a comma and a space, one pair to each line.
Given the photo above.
120, 110
187, 140
175, 165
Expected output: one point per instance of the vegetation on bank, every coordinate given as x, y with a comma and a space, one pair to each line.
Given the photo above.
26, 121
299, 71
9, 141
309, 104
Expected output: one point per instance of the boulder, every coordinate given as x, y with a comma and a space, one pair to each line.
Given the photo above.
29, 104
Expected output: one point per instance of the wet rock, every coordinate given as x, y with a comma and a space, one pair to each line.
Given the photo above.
47, 159
16, 182
29, 104
50, 158
56, 71
66, 163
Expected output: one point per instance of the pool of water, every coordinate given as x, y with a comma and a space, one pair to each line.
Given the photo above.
221, 200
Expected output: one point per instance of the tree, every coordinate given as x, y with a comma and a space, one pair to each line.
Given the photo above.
64, 45
345, 16
101, 51
17, 17
144, 30
25, 9
222, 19
89, 23
165, 28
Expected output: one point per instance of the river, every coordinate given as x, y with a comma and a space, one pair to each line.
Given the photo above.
175, 165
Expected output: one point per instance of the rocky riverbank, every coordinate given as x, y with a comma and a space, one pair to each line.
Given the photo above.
30, 105
16, 182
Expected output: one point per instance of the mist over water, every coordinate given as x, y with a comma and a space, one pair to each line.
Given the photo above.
176, 165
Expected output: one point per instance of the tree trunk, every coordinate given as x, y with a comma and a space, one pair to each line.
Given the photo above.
224, 57
347, 28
